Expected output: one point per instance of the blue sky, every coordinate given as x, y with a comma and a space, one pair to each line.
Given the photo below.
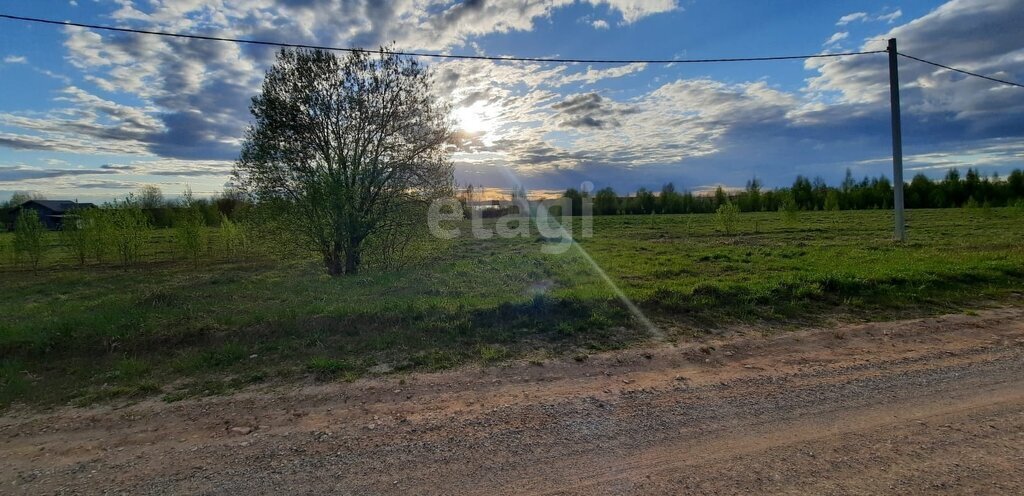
94, 115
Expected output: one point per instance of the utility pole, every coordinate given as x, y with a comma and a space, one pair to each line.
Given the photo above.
897, 141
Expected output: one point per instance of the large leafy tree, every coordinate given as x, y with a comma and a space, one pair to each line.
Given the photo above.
347, 146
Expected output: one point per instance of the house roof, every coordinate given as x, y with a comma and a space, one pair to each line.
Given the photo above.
59, 206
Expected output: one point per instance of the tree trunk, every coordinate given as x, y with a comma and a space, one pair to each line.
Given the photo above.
353, 255
332, 260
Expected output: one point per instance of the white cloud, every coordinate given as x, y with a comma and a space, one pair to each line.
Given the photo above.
15, 59
592, 75
890, 17
864, 17
837, 37
600, 24
634, 10
88, 124
848, 18
173, 168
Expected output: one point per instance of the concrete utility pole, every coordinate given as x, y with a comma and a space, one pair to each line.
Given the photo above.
897, 141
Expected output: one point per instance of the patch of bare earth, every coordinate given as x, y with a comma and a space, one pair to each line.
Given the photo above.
917, 406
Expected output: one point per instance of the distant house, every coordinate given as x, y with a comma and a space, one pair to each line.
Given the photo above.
52, 212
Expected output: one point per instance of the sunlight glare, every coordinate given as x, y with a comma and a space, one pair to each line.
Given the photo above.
475, 119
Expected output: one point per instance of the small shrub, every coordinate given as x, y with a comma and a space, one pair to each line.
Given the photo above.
789, 210
129, 229
97, 232
726, 217
234, 238
28, 237
75, 237
190, 234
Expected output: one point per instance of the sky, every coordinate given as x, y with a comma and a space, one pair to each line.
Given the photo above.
94, 115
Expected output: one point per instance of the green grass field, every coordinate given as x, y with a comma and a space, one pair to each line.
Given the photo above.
168, 328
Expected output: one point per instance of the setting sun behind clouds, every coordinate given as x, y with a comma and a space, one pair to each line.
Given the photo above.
478, 118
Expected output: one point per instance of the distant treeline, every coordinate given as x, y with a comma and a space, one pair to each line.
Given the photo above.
212, 211
160, 213
972, 189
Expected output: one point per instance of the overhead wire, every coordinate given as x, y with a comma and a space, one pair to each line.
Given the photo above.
961, 71
495, 58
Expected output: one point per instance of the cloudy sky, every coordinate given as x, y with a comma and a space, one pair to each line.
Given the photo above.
93, 115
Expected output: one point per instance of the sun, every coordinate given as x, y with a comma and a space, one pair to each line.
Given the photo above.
477, 118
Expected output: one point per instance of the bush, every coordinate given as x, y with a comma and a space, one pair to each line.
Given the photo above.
790, 210
190, 233
97, 232
726, 216
234, 238
74, 237
28, 237
129, 228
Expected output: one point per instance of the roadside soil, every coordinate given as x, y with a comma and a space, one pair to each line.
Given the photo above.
931, 405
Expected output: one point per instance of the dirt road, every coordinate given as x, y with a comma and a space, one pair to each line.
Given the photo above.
921, 406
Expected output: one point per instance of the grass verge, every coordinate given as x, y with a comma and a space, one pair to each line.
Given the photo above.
101, 333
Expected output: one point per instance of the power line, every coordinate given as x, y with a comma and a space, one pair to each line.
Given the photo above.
961, 71
433, 55
489, 57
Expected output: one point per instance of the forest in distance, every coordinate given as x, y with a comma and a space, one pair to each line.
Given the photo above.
972, 189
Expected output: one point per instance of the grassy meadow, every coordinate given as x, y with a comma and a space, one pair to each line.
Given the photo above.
170, 328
